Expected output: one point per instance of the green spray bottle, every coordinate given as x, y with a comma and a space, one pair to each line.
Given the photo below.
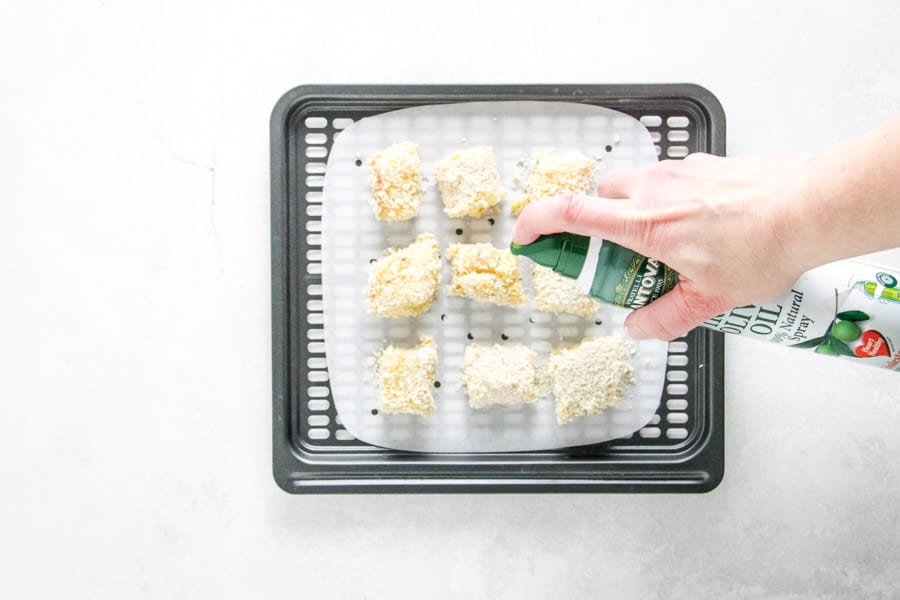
846, 308
604, 270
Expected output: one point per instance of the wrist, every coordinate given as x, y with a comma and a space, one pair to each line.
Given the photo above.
814, 232
848, 198
799, 218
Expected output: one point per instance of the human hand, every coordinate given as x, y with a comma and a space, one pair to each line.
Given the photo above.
725, 224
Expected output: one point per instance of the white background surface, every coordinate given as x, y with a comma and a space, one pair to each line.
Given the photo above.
134, 314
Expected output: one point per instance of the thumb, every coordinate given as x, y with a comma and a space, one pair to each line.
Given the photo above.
674, 314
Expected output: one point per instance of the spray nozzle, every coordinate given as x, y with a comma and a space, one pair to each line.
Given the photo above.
562, 252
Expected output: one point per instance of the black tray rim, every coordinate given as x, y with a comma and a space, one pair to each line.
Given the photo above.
294, 476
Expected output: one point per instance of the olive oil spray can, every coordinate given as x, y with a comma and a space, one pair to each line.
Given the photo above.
847, 308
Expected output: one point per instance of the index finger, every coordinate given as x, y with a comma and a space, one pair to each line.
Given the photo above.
575, 213
619, 183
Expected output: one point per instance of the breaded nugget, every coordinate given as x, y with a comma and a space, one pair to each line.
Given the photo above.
404, 282
485, 273
556, 172
499, 375
396, 182
405, 378
556, 294
469, 182
589, 377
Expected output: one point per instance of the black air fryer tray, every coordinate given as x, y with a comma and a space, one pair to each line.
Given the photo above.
681, 450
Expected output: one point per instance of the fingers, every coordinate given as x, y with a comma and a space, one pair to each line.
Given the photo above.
624, 183
619, 183
575, 213
673, 314
586, 215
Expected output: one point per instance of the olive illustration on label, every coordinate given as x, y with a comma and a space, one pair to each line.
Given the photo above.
826, 349
844, 328
846, 331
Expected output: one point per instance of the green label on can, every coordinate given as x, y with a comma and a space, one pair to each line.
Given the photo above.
628, 279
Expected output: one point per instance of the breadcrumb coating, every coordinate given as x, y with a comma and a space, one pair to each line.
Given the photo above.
405, 378
469, 183
485, 274
556, 294
589, 377
556, 172
395, 179
499, 375
404, 282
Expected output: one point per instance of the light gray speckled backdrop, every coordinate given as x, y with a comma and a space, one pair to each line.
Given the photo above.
134, 318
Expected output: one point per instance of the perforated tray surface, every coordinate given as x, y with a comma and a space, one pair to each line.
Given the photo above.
681, 450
